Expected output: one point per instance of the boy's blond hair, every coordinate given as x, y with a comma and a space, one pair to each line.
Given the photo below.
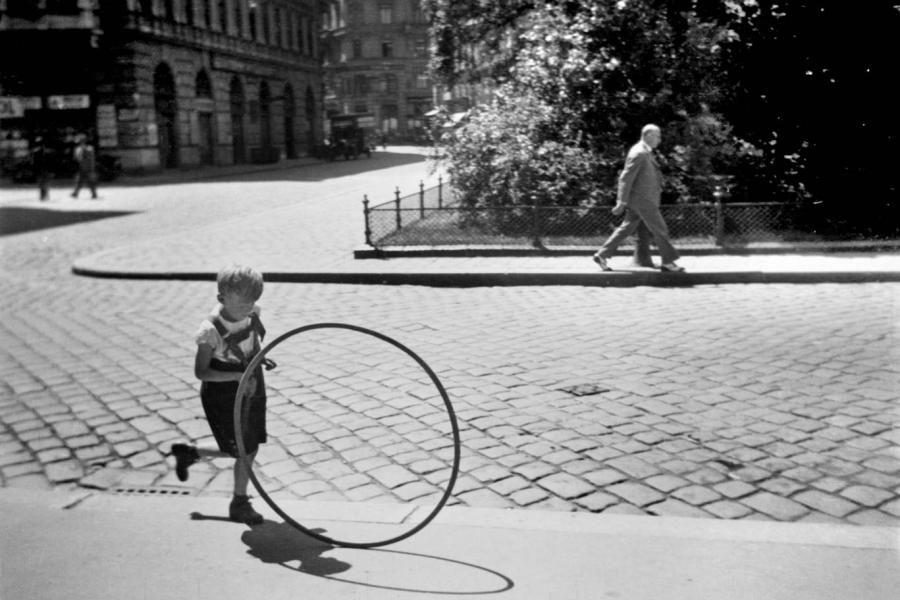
243, 281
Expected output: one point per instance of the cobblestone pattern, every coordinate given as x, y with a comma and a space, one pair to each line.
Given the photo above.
770, 402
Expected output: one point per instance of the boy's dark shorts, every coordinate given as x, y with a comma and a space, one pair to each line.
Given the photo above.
218, 404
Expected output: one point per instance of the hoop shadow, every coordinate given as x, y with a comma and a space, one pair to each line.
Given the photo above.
281, 543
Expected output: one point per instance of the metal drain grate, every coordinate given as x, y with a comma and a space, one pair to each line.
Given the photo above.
151, 491
584, 389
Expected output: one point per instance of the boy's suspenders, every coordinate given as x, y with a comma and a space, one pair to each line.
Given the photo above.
233, 340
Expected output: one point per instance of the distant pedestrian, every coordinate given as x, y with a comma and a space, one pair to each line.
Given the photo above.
227, 341
40, 164
86, 157
638, 196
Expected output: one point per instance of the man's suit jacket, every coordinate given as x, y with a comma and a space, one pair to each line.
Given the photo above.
640, 181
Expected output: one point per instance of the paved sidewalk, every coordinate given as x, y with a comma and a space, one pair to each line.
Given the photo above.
95, 546
320, 242
834, 404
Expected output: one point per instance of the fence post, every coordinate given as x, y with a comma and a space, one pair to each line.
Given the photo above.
720, 191
421, 199
397, 203
366, 215
440, 191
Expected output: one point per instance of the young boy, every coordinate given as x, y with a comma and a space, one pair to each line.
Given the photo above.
227, 341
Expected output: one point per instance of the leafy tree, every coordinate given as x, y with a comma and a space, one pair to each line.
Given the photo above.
600, 70
792, 98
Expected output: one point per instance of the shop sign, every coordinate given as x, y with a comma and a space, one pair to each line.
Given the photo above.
107, 133
129, 114
68, 101
30, 102
11, 108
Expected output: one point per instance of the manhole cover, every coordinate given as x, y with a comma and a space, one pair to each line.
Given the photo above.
585, 389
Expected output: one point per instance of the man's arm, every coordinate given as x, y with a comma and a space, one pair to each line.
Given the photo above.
634, 163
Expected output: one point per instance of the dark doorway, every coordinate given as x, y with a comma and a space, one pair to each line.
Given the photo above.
290, 145
310, 110
236, 96
166, 115
205, 108
265, 116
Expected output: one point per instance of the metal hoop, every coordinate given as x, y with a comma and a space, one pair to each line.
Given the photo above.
241, 411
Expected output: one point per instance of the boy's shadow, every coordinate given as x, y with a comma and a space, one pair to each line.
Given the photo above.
279, 543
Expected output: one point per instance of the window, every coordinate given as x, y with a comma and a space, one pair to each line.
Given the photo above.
387, 49
357, 48
418, 15
421, 47
223, 16
386, 13
251, 16
189, 11
422, 81
390, 83
238, 18
301, 34
278, 41
361, 86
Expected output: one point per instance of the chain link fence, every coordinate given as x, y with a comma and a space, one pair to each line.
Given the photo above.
434, 217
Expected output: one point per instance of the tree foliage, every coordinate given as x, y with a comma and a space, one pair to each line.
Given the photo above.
737, 85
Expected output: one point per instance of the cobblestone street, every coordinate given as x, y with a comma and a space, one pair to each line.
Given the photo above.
737, 402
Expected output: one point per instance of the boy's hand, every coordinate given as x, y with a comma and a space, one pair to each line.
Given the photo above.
251, 386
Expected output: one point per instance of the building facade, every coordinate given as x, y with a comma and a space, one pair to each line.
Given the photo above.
165, 83
375, 58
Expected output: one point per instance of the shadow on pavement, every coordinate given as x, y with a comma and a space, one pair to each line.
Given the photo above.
19, 219
282, 544
466, 575
287, 171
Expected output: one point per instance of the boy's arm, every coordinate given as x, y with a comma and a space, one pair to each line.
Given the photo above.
204, 372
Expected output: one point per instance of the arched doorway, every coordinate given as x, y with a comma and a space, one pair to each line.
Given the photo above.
205, 109
265, 117
290, 146
236, 102
310, 111
166, 115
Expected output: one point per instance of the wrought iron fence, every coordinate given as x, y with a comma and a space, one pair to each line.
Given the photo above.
434, 217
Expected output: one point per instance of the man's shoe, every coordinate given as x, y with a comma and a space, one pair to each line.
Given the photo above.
601, 262
671, 268
645, 265
185, 456
241, 511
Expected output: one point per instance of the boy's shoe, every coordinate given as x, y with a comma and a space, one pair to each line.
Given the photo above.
671, 268
242, 511
601, 262
185, 456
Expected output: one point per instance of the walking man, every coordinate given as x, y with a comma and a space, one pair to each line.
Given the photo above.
640, 186
87, 167
40, 163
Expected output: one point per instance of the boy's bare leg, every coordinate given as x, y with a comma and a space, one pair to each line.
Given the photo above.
242, 475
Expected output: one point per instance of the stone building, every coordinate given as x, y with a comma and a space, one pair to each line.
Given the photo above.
165, 83
375, 58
